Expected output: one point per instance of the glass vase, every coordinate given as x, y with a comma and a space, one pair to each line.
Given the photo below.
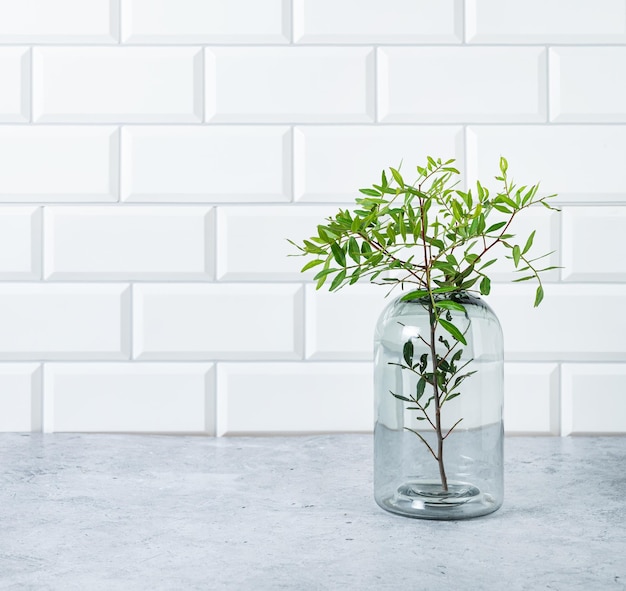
438, 435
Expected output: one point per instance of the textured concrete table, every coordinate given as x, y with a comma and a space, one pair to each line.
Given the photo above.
90, 512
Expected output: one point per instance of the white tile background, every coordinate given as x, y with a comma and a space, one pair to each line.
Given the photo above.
155, 154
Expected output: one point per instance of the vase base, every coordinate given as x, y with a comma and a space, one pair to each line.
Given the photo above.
427, 500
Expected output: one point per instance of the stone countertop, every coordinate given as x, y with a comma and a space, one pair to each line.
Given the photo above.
126, 512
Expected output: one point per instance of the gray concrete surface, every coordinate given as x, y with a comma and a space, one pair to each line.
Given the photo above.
91, 512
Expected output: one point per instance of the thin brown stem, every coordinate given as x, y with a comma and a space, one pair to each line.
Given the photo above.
453, 426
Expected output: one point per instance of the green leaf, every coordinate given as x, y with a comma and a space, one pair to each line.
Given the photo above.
355, 276
325, 272
508, 201
404, 398
502, 208
453, 330
311, 264
338, 253
445, 267
528, 277
313, 248
397, 177
457, 211
504, 165
538, 296
516, 255
414, 295
529, 243
495, 227
353, 250
421, 386
450, 305
487, 264
407, 353
485, 286
435, 242
370, 192
336, 282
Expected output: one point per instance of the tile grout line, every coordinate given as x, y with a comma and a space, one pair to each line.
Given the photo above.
203, 83
548, 61
292, 163
31, 81
118, 7
289, 18
463, 11
376, 50
131, 322
120, 130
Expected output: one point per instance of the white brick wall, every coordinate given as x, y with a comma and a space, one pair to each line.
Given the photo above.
128, 243
169, 397
490, 84
156, 154
59, 21
205, 21
56, 164
294, 397
282, 85
127, 84
206, 164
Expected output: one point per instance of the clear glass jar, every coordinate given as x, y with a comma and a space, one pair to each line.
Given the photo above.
451, 468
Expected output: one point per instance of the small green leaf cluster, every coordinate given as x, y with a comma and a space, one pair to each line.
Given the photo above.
428, 234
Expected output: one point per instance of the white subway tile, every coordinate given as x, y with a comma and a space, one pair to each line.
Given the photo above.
323, 172
47, 321
20, 397
129, 242
128, 397
286, 85
20, 242
531, 398
59, 21
15, 84
594, 398
370, 21
117, 84
340, 325
504, 84
58, 163
593, 244
565, 158
538, 21
585, 85
224, 321
195, 164
566, 326
255, 398
205, 21
253, 241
